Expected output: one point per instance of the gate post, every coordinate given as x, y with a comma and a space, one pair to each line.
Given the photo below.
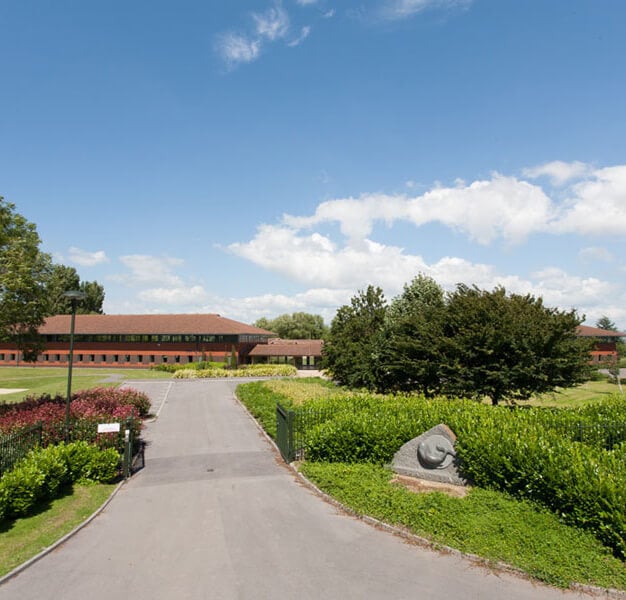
284, 432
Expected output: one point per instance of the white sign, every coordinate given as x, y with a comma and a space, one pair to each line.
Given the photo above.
108, 427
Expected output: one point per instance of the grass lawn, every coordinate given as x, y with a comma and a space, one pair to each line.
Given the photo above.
588, 392
486, 523
53, 380
24, 538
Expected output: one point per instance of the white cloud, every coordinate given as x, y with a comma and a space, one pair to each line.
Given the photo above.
402, 9
319, 301
235, 48
595, 253
314, 260
178, 296
272, 24
85, 258
484, 210
268, 26
559, 172
597, 206
558, 288
146, 270
304, 33
323, 265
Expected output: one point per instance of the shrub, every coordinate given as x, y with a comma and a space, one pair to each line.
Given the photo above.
88, 463
44, 472
52, 462
22, 488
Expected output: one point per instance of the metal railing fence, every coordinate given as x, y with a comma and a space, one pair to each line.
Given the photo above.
293, 426
16, 445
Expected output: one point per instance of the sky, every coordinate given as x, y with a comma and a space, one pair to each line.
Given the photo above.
259, 157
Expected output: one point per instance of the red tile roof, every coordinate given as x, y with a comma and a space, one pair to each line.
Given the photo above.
278, 347
586, 331
150, 324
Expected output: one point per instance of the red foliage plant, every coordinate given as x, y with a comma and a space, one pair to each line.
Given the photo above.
87, 409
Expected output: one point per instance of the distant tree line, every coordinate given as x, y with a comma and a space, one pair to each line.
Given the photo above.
295, 326
465, 343
32, 285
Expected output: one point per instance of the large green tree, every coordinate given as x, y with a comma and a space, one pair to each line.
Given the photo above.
63, 279
32, 286
23, 272
295, 326
509, 346
408, 353
351, 346
467, 343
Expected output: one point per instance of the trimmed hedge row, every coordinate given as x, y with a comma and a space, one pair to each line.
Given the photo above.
173, 368
43, 473
244, 371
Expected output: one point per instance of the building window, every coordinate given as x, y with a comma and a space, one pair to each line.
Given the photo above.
190, 359
152, 357
164, 359
139, 358
177, 358
116, 358
127, 358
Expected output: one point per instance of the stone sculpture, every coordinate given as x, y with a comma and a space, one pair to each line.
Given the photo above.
430, 456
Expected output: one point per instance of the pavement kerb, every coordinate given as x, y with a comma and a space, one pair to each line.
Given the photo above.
67, 536
476, 560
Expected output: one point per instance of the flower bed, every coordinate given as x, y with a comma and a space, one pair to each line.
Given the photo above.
87, 409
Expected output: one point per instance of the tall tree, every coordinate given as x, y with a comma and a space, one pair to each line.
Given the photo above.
23, 272
352, 342
295, 326
409, 349
510, 347
605, 323
63, 279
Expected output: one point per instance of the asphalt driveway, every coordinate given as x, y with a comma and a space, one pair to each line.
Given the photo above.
215, 515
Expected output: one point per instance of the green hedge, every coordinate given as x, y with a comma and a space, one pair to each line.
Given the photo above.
43, 472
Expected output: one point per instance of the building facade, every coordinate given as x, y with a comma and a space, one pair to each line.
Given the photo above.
604, 343
141, 340
302, 354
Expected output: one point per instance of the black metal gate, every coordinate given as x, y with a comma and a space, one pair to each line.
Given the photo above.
284, 433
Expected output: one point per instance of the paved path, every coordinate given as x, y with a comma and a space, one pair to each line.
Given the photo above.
214, 515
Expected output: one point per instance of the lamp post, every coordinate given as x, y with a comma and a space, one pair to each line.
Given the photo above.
74, 296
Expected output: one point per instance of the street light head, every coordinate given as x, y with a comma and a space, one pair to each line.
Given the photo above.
74, 295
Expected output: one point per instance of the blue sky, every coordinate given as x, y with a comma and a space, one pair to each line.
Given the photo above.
253, 158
